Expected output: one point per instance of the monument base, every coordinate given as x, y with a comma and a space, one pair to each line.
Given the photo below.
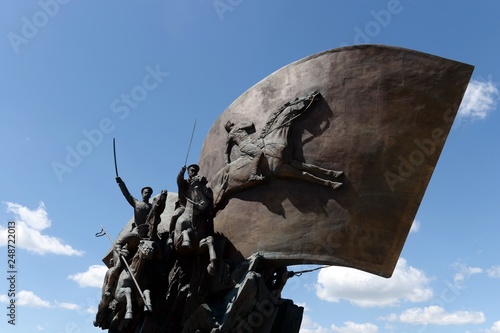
244, 295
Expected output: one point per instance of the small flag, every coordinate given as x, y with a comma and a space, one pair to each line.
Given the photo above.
101, 233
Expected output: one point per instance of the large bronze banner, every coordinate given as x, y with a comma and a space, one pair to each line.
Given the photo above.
327, 159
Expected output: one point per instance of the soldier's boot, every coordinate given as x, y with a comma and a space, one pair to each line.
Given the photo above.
186, 241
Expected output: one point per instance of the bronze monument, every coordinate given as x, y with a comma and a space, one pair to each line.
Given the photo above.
324, 161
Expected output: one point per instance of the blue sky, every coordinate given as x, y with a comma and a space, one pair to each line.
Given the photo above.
75, 74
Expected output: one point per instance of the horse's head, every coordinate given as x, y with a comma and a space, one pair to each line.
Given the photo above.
276, 128
146, 249
198, 187
199, 181
199, 193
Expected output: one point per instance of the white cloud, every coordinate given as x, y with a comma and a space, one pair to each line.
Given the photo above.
29, 299
494, 272
415, 226
495, 328
93, 277
436, 315
30, 225
308, 326
390, 317
350, 327
367, 290
479, 100
68, 306
36, 219
91, 310
464, 272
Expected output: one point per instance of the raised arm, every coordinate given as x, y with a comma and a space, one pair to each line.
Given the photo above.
180, 178
130, 199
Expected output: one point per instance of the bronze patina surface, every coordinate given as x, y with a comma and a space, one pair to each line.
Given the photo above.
381, 117
324, 161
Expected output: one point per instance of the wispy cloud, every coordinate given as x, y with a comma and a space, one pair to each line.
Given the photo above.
30, 227
68, 306
28, 299
367, 290
308, 326
350, 327
464, 272
93, 277
415, 227
494, 272
91, 309
480, 99
436, 315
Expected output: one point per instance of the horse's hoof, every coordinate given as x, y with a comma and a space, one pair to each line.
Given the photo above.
336, 174
211, 269
128, 315
148, 308
336, 185
256, 177
186, 244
